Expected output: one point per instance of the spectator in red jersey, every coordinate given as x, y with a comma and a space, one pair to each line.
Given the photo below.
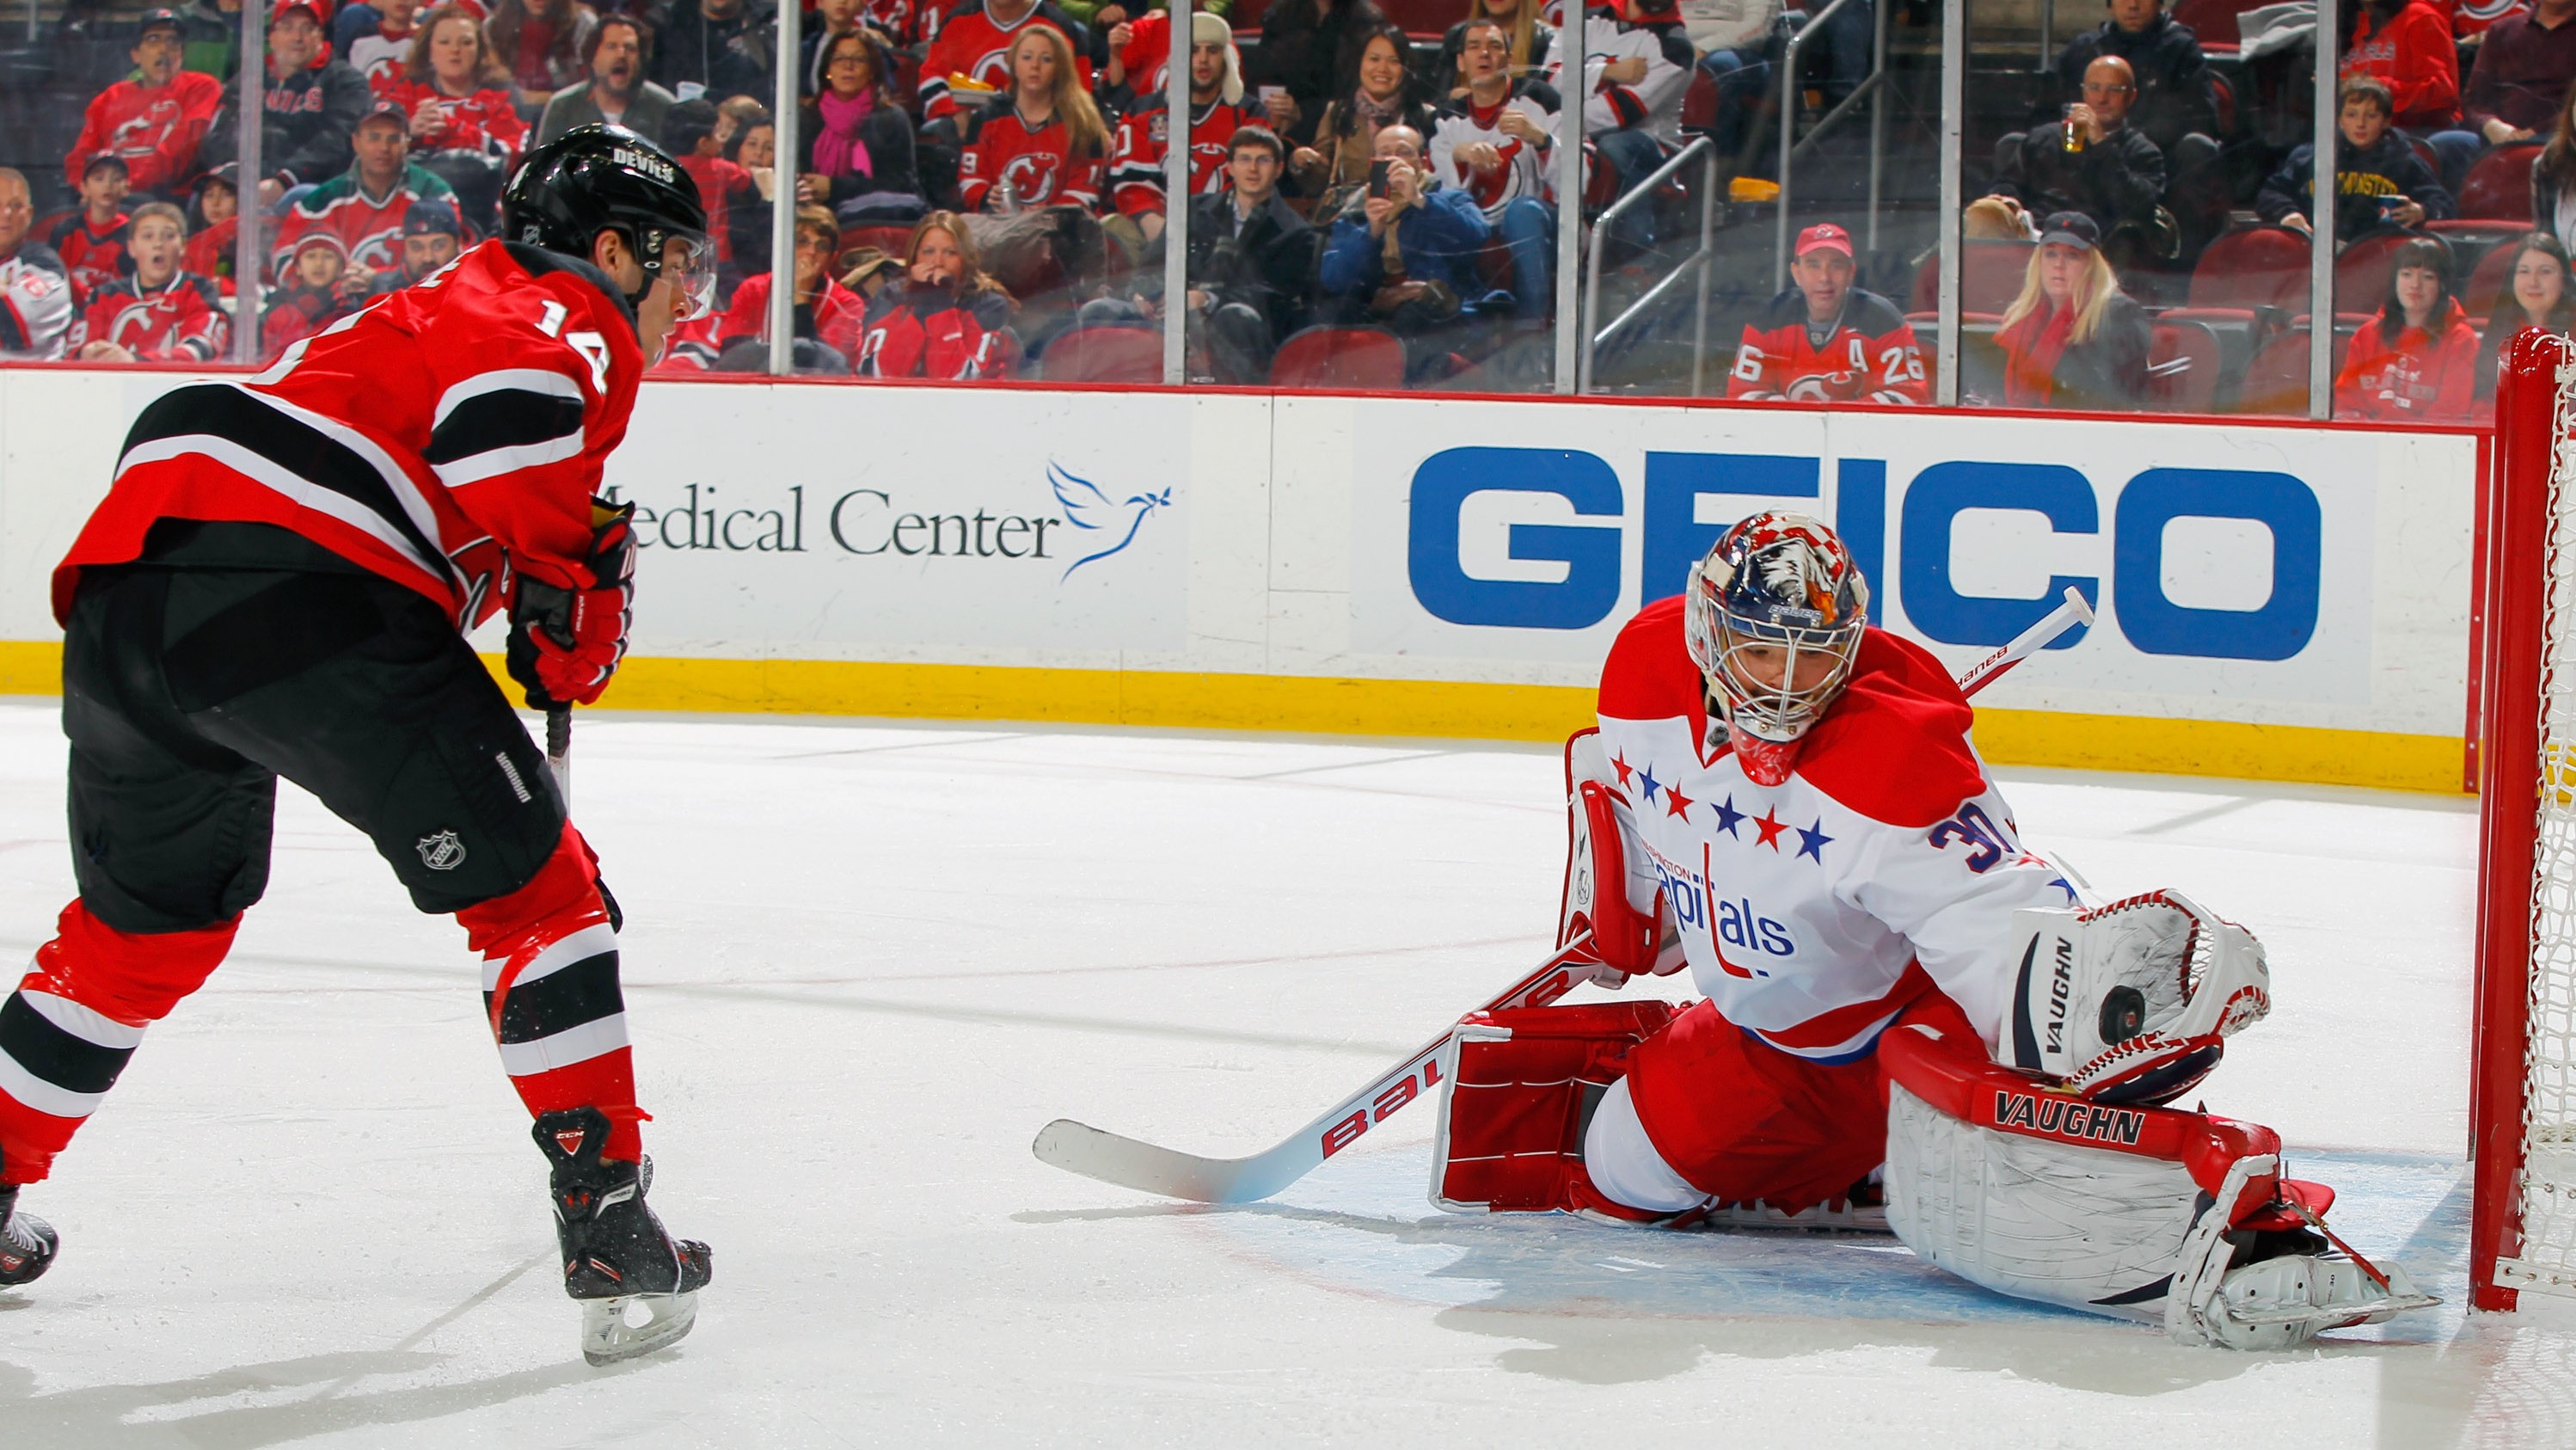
1335, 167
1217, 114
216, 217
312, 296
35, 291
1045, 144
854, 139
825, 312
464, 127
311, 103
2072, 339
380, 53
616, 92
975, 41
945, 319
2417, 360
161, 313
2406, 45
2539, 297
364, 206
91, 241
544, 45
1827, 341
432, 236
155, 118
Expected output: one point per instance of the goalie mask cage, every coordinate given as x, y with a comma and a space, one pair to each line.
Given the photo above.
2522, 1097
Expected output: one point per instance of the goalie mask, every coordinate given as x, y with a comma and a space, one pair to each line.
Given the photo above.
1773, 617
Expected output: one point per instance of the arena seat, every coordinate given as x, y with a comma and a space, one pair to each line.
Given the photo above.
2361, 271
1104, 355
2499, 186
1363, 359
2257, 267
889, 240
2490, 283
2182, 368
1990, 276
2278, 380
2237, 331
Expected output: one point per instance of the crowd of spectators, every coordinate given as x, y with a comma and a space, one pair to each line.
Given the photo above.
1339, 172
1342, 172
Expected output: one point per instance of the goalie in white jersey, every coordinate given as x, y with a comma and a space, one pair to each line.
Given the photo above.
1786, 802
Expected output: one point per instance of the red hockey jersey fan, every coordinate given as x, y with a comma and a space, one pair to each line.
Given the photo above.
1144, 134
1037, 162
182, 320
1869, 354
918, 330
970, 43
484, 123
446, 438
155, 129
94, 256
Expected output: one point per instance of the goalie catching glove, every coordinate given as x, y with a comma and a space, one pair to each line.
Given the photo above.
2132, 1002
566, 643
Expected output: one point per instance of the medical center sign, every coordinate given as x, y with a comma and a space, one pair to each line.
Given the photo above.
2224, 563
867, 544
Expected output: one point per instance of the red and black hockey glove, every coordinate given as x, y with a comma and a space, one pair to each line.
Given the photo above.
565, 643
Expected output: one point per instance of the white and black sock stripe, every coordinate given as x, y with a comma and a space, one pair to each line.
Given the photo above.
564, 1007
59, 1057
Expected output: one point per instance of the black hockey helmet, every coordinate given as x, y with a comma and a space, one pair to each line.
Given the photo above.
600, 178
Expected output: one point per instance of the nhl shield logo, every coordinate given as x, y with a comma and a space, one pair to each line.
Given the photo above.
441, 851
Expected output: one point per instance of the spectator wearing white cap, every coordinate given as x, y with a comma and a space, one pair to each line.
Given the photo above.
1824, 340
2073, 339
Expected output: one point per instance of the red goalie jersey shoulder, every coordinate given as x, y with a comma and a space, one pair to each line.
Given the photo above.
467, 415
1894, 747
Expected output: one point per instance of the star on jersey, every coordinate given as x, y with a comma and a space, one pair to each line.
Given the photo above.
1812, 840
1676, 803
1648, 783
1728, 817
1770, 825
1620, 764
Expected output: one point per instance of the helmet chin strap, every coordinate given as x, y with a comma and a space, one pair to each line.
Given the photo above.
1765, 762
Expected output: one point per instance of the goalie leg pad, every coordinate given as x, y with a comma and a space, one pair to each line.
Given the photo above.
2170, 1218
1523, 1083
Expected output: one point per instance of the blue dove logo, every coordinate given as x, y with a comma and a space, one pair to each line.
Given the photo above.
1086, 507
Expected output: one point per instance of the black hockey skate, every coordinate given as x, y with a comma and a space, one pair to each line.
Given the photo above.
27, 1243
618, 1260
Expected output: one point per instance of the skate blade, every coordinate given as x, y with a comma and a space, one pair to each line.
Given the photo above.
606, 1337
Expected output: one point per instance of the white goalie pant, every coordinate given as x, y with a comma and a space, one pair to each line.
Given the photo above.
1623, 1164
2137, 1212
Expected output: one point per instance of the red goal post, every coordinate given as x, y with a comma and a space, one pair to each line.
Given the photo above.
2522, 1092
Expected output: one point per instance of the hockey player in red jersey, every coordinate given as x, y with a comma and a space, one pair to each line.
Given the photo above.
278, 583
160, 314
1827, 341
1786, 802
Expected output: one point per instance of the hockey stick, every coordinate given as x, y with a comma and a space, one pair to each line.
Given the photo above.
1080, 1148
1111, 1158
559, 750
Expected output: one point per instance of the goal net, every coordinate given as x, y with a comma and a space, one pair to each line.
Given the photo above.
2523, 1099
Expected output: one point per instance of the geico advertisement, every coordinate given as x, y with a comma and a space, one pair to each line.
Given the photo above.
2230, 564
790, 517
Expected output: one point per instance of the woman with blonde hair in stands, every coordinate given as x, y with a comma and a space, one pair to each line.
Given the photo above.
2073, 339
2537, 294
1047, 145
2417, 359
943, 318
464, 126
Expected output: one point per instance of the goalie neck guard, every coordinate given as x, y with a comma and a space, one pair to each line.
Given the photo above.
1778, 589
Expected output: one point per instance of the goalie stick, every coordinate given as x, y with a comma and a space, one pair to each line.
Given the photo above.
1128, 1163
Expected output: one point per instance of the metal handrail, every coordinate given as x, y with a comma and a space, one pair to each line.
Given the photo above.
1789, 125
1701, 261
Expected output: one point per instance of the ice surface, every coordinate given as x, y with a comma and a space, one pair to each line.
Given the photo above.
865, 963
